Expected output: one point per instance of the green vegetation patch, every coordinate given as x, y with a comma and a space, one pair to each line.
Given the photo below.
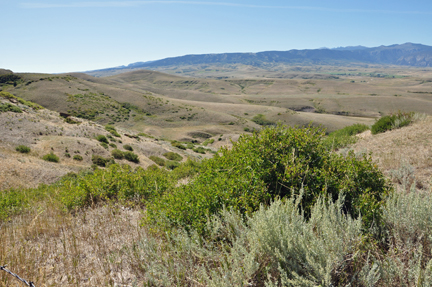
22, 149
6, 107
344, 137
262, 121
117, 154
99, 160
96, 106
102, 139
200, 150
32, 105
112, 130
278, 162
9, 79
208, 141
127, 147
159, 161
77, 157
395, 121
51, 157
172, 164
178, 145
130, 156
173, 156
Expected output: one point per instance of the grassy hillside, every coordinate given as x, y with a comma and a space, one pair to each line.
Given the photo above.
224, 101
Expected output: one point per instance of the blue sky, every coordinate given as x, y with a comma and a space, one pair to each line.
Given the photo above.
64, 36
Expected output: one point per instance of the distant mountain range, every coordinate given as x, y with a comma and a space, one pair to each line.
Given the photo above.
408, 54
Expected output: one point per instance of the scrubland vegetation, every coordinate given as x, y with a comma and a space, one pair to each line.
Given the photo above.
280, 208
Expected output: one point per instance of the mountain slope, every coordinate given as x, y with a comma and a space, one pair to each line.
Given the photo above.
408, 54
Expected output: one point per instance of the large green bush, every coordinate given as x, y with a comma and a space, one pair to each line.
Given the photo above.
278, 162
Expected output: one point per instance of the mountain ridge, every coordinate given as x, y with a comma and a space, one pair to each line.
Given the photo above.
407, 54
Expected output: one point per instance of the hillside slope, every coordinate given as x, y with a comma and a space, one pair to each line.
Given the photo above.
45, 132
404, 154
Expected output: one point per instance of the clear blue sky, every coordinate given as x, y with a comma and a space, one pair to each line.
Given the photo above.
64, 36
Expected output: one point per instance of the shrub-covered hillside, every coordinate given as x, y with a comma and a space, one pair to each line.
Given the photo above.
279, 208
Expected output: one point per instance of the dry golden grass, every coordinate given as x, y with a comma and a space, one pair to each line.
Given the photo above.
395, 149
53, 248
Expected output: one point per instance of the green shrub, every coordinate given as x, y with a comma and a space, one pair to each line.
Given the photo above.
104, 145
262, 121
322, 243
186, 169
343, 137
278, 246
128, 147
277, 162
112, 130
393, 121
99, 160
77, 157
67, 155
51, 157
22, 149
199, 149
145, 135
69, 120
9, 108
116, 182
7, 95
102, 139
208, 141
117, 154
173, 156
178, 145
113, 145
130, 156
159, 161
190, 146
382, 125
172, 164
